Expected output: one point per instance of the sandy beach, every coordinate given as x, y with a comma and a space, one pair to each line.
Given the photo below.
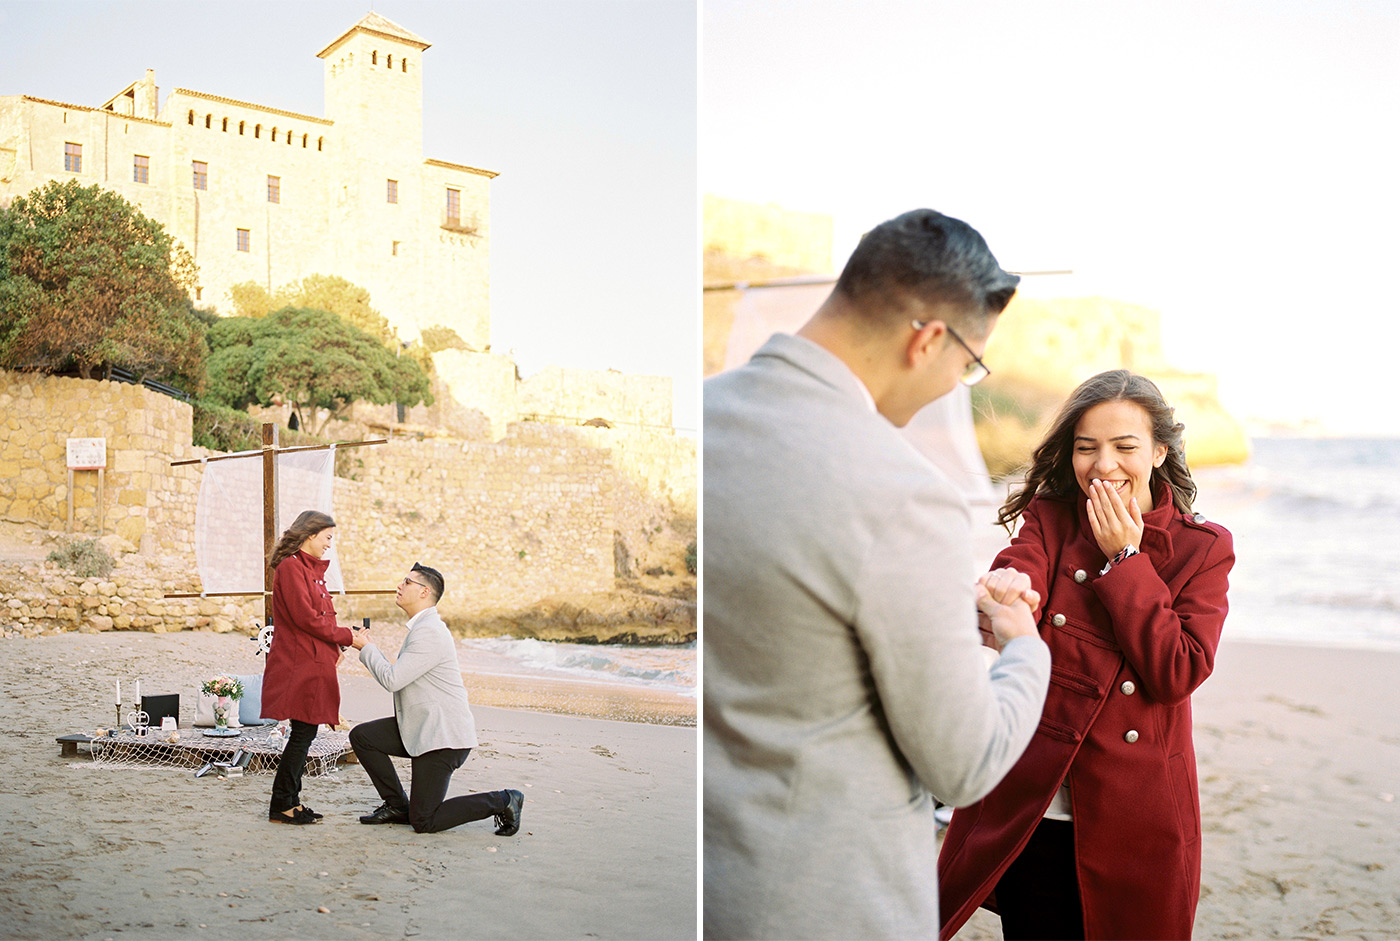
607, 848
1298, 751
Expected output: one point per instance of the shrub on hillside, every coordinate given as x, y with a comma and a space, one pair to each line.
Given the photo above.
86, 558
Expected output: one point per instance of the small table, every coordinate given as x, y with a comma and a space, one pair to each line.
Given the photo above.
194, 749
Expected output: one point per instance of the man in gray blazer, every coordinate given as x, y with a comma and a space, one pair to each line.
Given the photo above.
844, 676
432, 723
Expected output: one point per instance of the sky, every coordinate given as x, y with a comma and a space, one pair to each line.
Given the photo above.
1232, 164
586, 109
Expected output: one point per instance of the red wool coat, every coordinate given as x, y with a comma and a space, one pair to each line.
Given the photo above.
299, 679
1127, 649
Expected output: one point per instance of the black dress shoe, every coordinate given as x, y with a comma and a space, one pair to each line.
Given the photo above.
384, 813
508, 820
312, 812
299, 817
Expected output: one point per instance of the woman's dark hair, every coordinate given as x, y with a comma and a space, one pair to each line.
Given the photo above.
1051, 469
306, 525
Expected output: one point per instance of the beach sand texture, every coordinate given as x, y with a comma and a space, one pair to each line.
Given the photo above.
1298, 751
607, 848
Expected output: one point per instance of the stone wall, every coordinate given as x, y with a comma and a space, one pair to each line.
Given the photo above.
509, 522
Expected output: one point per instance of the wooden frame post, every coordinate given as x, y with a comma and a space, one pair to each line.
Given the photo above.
269, 462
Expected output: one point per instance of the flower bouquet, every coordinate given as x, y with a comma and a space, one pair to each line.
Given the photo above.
226, 690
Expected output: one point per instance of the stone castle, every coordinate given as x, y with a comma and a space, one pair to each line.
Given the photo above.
259, 194
553, 486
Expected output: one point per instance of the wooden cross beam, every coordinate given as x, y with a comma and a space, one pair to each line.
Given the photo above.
269, 452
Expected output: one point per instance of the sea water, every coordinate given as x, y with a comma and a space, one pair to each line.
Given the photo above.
1316, 524
668, 669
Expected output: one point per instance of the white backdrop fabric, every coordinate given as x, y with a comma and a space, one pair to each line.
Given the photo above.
228, 541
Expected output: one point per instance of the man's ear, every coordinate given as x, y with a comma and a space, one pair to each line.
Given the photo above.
925, 342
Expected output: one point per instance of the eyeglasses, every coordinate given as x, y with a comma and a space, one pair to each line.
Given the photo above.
976, 370
411, 581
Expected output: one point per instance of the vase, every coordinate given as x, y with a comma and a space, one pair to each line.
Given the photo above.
221, 708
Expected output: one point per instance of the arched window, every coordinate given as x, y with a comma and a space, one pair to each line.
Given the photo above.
225, 125
274, 135
208, 121
389, 60
257, 130
319, 141
374, 57
191, 117
403, 65
304, 138
289, 137
240, 128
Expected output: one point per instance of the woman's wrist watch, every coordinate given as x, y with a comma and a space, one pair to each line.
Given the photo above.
1126, 552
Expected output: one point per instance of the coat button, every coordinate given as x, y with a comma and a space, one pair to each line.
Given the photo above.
1198, 518
1058, 620
1130, 736
1081, 576
1128, 688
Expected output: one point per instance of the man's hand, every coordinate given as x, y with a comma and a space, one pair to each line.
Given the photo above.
1006, 598
1005, 585
1115, 526
358, 639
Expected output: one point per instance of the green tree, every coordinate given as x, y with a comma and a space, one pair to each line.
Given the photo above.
438, 338
311, 358
318, 291
87, 281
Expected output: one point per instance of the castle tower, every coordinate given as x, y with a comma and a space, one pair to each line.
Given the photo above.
374, 88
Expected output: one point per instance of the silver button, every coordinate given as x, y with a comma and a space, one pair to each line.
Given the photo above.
1130, 736
1058, 620
1128, 688
1198, 518
1081, 576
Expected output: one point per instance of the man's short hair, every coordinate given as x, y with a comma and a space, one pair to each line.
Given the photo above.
924, 257
433, 579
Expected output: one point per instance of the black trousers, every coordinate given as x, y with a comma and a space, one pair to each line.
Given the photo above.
375, 742
1038, 895
286, 786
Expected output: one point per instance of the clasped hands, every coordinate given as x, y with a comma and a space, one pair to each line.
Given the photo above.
1007, 601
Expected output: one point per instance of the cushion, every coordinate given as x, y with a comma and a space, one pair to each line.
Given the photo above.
250, 706
204, 711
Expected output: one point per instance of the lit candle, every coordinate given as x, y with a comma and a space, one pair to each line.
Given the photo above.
119, 692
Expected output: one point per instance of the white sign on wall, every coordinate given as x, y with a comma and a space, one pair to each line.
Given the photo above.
87, 453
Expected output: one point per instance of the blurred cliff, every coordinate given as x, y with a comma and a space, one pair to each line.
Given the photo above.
1041, 349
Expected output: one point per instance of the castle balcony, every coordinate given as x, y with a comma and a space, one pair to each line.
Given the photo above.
465, 223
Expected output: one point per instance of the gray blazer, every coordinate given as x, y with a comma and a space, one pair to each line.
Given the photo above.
844, 678
430, 700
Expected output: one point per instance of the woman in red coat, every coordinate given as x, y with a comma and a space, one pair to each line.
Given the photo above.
1095, 833
299, 681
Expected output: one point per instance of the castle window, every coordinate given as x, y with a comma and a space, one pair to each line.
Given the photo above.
403, 65
191, 117
257, 130
198, 293
208, 122
225, 125
389, 60
304, 139
274, 189
392, 193
73, 158
374, 57
454, 207
243, 240
274, 135
394, 248
140, 169
289, 138
240, 128
201, 174
318, 142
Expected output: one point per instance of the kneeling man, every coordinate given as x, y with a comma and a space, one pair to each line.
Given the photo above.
432, 723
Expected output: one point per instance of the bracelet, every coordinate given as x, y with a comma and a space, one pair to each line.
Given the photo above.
1127, 552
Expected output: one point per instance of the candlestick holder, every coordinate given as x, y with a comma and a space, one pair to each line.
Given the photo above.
118, 727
